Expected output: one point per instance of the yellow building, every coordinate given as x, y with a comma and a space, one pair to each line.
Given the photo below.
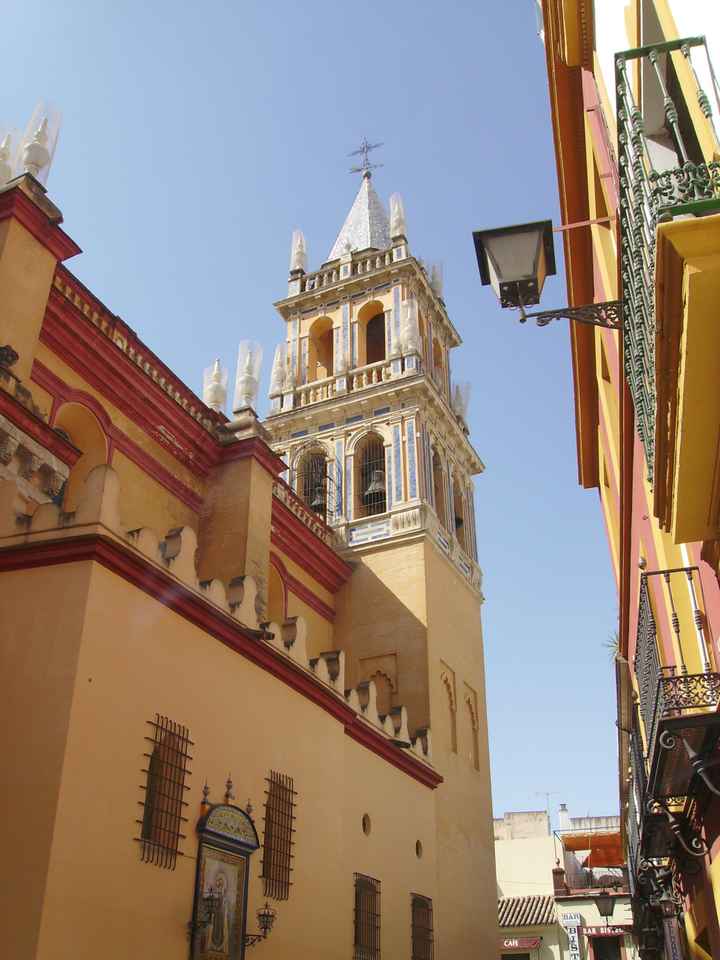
232, 679
634, 100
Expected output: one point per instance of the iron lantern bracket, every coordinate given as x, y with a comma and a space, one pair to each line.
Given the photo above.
252, 938
607, 314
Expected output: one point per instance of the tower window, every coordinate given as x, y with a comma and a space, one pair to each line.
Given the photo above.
278, 841
320, 350
311, 482
163, 803
438, 477
371, 497
459, 516
367, 918
375, 338
422, 928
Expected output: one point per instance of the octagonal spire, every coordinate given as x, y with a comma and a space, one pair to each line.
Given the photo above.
366, 225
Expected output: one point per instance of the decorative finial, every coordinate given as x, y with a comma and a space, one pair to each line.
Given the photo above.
410, 330
229, 795
247, 379
436, 279
298, 252
248, 808
5, 168
365, 167
35, 153
206, 794
215, 380
277, 375
398, 227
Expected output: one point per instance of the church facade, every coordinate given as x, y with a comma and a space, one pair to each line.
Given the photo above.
243, 699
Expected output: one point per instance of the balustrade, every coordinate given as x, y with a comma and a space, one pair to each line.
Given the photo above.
657, 182
360, 264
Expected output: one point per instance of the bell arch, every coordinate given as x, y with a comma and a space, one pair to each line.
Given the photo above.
310, 479
371, 333
459, 517
369, 481
84, 430
321, 355
438, 482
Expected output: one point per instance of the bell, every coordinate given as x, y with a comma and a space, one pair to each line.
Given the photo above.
318, 501
377, 484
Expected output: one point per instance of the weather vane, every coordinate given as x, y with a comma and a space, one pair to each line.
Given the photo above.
365, 167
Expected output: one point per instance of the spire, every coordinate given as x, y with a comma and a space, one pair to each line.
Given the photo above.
366, 225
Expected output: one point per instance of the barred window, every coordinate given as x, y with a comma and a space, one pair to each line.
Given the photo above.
164, 790
278, 841
422, 928
367, 918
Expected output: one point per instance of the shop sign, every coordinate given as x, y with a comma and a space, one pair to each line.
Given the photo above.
572, 922
606, 931
524, 943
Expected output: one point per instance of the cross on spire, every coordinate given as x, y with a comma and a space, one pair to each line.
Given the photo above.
365, 167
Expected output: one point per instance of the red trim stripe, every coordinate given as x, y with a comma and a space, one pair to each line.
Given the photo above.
158, 584
302, 592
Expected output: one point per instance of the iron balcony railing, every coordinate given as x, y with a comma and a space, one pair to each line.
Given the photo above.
663, 173
668, 691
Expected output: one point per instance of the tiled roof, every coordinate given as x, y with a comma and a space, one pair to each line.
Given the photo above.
366, 225
526, 911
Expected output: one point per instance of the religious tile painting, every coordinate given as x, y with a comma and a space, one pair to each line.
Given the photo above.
225, 874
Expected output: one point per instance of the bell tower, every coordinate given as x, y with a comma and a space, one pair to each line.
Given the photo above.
364, 413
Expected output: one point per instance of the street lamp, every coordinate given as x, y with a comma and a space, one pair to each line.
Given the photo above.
266, 919
605, 903
515, 261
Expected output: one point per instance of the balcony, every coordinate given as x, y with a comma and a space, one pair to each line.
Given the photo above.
669, 190
679, 690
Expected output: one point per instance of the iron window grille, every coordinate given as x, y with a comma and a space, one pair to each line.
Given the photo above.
277, 841
315, 486
371, 488
422, 928
164, 790
367, 918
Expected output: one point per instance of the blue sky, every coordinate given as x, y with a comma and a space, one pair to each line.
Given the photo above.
197, 136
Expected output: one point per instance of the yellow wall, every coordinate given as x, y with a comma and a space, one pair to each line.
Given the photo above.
137, 658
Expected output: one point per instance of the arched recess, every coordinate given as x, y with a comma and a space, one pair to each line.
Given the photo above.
472, 718
370, 482
83, 428
320, 350
371, 333
459, 518
448, 683
277, 592
438, 479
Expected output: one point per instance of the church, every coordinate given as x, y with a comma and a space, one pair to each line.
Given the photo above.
243, 685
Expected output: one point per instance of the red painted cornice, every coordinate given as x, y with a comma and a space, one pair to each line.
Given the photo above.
253, 447
300, 590
103, 365
36, 428
64, 393
296, 541
158, 584
16, 203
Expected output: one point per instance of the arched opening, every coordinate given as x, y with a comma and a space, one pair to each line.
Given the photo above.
438, 478
320, 350
82, 428
370, 495
277, 596
474, 756
449, 685
371, 333
459, 516
438, 363
311, 481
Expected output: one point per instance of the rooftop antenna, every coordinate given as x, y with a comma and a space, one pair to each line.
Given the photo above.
547, 794
365, 167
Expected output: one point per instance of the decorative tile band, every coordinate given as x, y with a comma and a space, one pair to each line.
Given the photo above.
397, 462
412, 469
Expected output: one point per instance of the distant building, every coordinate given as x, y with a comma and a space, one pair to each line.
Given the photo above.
548, 885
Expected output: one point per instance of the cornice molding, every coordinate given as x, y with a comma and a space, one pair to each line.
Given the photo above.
40, 431
300, 544
141, 573
301, 591
16, 203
